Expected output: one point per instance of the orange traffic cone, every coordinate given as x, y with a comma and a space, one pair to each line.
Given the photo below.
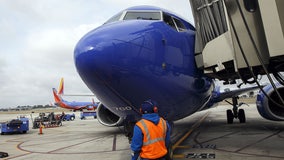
40, 129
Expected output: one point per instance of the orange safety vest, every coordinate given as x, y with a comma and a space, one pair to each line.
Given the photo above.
154, 145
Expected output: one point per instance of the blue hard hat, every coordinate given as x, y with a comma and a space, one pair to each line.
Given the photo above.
148, 106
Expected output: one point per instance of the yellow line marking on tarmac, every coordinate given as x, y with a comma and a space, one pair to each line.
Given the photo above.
183, 147
176, 156
186, 135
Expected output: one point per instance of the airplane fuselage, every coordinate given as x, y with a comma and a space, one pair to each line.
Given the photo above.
143, 53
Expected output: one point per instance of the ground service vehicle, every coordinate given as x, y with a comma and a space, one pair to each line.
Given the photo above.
50, 120
20, 125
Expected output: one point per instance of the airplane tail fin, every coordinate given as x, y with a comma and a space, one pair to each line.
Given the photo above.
57, 97
61, 87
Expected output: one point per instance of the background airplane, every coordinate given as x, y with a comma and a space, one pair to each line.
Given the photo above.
146, 52
60, 102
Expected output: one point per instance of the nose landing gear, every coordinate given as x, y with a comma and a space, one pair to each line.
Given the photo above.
235, 112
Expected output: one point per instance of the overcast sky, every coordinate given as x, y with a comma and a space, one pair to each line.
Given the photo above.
37, 40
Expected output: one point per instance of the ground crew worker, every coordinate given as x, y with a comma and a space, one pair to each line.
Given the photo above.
151, 135
62, 115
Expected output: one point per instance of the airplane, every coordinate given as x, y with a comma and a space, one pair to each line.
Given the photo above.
146, 52
60, 102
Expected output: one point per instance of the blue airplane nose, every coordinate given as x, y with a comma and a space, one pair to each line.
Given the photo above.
126, 62
93, 53
93, 57
134, 60
113, 52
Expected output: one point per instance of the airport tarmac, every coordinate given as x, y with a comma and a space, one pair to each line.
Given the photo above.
209, 137
213, 138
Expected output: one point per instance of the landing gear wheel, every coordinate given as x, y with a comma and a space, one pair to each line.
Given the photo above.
230, 116
235, 112
242, 116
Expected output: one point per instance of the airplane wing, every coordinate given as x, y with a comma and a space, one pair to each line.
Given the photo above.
220, 96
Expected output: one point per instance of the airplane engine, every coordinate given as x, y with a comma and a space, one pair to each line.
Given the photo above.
266, 107
107, 118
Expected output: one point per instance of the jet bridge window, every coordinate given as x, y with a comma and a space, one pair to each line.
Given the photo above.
142, 15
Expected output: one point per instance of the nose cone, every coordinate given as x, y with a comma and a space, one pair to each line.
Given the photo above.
93, 51
116, 61
111, 52
93, 57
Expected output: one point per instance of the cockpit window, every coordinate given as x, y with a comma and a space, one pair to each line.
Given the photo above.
142, 15
179, 24
169, 21
175, 23
114, 18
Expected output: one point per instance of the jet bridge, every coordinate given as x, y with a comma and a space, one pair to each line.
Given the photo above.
239, 38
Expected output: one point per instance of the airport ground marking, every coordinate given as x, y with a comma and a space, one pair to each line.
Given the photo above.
19, 148
249, 145
21, 155
186, 135
114, 143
